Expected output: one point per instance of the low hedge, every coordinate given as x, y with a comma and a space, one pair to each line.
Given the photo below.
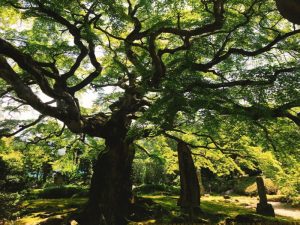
155, 188
64, 191
247, 186
9, 205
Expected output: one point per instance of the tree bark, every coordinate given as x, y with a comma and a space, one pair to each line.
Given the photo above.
110, 191
289, 9
190, 190
199, 176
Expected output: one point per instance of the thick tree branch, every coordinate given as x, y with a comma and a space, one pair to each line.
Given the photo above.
37, 139
238, 51
28, 64
269, 80
24, 92
218, 13
74, 31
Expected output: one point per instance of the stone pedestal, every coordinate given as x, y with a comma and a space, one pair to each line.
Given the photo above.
265, 209
58, 179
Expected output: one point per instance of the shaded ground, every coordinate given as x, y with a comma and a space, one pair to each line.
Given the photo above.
281, 209
37, 211
160, 209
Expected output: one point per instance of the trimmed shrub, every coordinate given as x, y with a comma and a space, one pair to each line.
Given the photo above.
241, 184
296, 202
154, 188
9, 203
60, 192
247, 186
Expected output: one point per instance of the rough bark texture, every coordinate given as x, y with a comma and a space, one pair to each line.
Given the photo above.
110, 191
289, 9
190, 190
199, 176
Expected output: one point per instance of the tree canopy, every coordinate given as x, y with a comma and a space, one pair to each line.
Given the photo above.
229, 57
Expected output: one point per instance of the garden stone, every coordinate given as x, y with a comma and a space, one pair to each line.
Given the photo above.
263, 208
226, 197
58, 179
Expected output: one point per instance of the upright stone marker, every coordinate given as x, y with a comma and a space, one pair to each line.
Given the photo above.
263, 208
58, 178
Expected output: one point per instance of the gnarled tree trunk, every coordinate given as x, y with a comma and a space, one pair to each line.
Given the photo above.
110, 191
190, 190
289, 9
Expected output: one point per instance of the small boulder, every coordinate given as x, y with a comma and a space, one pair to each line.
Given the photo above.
226, 197
248, 219
228, 192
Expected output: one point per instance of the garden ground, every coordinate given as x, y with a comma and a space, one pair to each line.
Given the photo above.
161, 209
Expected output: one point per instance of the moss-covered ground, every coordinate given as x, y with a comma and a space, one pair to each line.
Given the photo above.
163, 209
216, 209
39, 210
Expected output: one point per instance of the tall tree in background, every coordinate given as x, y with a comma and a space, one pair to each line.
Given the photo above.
161, 57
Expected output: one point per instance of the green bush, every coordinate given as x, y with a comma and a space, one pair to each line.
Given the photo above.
60, 191
218, 185
247, 186
296, 201
11, 180
154, 188
289, 183
150, 171
15, 183
241, 184
9, 203
278, 198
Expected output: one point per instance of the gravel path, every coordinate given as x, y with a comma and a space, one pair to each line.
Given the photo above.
285, 210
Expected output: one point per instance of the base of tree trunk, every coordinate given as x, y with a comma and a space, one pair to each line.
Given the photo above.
110, 193
189, 184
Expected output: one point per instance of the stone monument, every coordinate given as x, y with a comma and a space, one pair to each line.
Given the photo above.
263, 208
58, 178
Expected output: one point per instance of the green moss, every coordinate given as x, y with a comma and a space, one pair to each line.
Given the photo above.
53, 203
215, 209
168, 203
38, 210
148, 189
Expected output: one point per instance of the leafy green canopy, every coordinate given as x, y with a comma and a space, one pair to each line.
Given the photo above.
151, 66
234, 57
